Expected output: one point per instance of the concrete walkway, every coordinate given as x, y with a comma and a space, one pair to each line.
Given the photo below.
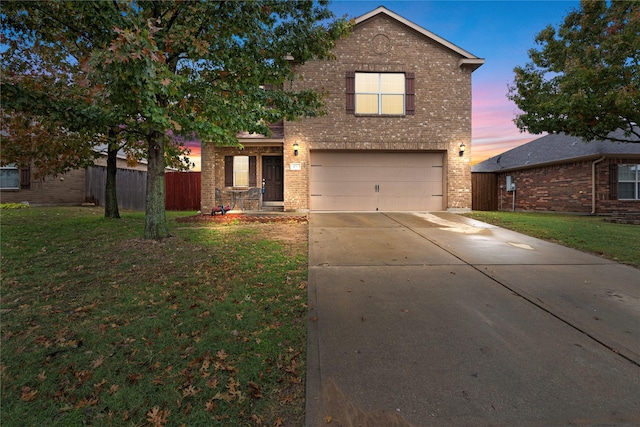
440, 320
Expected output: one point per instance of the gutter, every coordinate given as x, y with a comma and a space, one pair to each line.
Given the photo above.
593, 184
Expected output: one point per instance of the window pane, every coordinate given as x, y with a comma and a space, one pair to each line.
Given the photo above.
9, 178
241, 171
627, 172
626, 190
392, 104
392, 83
367, 82
366, 104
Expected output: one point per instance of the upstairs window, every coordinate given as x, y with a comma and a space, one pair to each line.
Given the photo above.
381, 94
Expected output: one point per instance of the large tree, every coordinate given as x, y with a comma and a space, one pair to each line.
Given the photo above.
584, 79
180, 68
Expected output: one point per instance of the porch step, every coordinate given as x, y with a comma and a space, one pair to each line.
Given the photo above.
272, 209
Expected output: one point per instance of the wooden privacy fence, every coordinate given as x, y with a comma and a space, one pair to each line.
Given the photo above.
484, 190
182, 191
131, 186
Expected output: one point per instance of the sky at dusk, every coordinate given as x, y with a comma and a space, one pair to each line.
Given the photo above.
501, 32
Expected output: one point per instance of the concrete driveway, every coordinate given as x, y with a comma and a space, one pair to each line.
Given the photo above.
436, 319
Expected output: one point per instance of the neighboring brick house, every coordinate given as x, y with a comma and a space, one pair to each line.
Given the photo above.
399, 120
75, 187
560, 173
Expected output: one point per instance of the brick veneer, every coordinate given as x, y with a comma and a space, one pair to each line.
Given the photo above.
565, 188
65, 189
442, 119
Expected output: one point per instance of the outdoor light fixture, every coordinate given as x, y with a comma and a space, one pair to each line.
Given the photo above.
296, 147
462, 147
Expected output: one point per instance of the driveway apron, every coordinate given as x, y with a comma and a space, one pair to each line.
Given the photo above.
434, 319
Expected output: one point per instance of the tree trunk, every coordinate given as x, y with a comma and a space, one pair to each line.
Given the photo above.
110, 192
155, 220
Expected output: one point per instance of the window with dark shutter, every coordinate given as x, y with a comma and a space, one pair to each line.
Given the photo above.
380, 94
613, 182
410, 88
228, 171
351, 92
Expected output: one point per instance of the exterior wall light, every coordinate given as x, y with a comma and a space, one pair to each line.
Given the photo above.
462, 147
296, 147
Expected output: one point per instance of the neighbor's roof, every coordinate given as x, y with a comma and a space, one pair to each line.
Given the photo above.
467, 58
557, 148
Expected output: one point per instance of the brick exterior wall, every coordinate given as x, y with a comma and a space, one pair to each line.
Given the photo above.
564, 188
64, 190
67, 189
442, 119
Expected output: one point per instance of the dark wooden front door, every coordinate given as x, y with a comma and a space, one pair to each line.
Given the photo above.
272, 179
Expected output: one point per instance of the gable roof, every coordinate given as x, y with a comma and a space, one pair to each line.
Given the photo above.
466, 58
557, 148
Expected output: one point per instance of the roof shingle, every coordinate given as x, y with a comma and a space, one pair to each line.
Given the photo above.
555, 148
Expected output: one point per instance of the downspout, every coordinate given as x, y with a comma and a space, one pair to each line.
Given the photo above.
593, 184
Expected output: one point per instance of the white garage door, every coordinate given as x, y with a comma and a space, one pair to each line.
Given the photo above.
376, 181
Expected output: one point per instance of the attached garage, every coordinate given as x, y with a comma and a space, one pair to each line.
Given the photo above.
376, 181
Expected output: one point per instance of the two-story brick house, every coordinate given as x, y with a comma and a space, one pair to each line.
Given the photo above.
397, 135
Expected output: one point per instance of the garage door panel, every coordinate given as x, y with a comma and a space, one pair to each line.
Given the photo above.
376, 181
341, 203
329, 188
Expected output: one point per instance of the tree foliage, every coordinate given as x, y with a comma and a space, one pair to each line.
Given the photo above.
162, 70
584, 79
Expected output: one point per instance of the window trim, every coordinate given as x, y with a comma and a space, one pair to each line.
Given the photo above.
229, 175
11, 167
635, 181
409, 94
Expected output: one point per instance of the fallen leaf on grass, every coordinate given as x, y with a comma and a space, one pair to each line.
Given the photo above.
157, 417
87, 402
98, 362
85, 308
187, 409
133, 378
190, 391
256, 393
29, 395
210, 405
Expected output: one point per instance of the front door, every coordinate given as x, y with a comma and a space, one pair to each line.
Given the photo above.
272, 179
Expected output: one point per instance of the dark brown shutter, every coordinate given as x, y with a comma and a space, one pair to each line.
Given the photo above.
410, 95
25, 178
351, 92
228, 171
613, 182
252, 171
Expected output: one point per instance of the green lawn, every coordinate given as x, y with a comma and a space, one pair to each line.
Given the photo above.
618, 242
101, 327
